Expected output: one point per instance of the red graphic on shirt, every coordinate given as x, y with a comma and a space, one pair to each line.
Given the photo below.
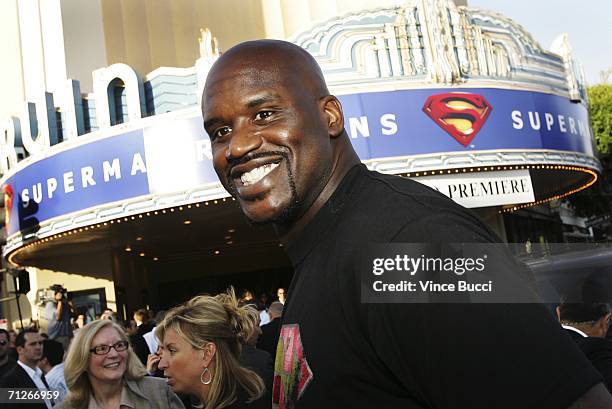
461, 114
8, 204
291, 371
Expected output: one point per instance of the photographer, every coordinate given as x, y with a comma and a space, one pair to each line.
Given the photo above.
59, 311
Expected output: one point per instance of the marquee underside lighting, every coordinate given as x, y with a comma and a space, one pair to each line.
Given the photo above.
585, 176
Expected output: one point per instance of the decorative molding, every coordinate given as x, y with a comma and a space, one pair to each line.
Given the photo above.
435, 42
459, 160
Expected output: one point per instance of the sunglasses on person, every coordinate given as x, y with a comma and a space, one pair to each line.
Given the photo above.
105, 349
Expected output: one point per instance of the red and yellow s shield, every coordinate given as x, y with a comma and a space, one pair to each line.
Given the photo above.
460, 114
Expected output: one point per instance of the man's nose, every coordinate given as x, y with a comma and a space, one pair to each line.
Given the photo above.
243, 141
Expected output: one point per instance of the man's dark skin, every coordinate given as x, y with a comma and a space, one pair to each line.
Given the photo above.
265, 102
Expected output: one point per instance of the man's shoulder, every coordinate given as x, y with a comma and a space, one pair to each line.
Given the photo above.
56, 372
594, 345
401, 187
388, 203
16, 377
271, 326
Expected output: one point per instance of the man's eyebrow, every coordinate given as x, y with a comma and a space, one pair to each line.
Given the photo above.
211, 121
262, 99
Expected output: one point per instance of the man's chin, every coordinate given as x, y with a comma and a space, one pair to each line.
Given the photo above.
260, 214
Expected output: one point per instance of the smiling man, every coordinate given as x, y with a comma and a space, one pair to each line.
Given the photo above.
280, 148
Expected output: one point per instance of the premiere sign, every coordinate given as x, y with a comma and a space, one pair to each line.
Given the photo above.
484, 189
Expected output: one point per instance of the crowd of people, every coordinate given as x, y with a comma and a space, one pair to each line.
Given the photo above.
210, 352
203, 353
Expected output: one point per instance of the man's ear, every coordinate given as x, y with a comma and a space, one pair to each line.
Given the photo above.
604, 323
558, 314
333, 114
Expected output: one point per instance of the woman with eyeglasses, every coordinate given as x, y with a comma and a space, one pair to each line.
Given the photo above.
102, 372
200, 352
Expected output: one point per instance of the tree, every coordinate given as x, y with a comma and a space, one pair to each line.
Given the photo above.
600, 111
597, 200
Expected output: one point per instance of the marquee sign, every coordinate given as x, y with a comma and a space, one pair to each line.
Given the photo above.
171, 155
484, 189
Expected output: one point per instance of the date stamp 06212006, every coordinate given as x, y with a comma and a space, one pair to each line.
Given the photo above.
27, 395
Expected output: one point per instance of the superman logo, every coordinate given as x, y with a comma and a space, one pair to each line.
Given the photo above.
460, 114
291, 371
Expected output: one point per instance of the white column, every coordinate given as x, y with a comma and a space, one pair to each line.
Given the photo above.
32, 53
274, 24
53, 44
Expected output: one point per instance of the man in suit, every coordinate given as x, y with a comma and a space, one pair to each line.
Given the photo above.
27, 374
588, 324
268, 340
6, 362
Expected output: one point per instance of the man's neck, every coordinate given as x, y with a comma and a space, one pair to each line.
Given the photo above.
29, 364
339, 169
586, 329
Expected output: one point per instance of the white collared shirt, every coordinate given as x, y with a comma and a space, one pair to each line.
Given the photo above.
56, 381
36, 376
575, 330
151, 340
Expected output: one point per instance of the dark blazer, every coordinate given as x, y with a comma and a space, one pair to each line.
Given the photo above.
268, 340
19, 378
599, 352
10, 364
258, 361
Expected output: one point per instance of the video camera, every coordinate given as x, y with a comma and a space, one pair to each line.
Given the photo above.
58, 288
48, 294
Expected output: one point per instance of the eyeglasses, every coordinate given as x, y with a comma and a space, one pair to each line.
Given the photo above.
105, 349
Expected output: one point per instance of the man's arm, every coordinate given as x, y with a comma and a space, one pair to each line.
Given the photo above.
60, 303
597, 397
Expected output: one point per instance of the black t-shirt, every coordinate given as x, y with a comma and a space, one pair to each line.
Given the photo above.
338, 352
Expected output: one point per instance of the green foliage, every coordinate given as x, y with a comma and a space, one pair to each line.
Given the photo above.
600, 111
597, 200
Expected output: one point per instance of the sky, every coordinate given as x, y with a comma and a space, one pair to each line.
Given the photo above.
588, 23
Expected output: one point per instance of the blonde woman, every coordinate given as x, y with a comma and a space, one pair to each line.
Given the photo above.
102, 372
201, 345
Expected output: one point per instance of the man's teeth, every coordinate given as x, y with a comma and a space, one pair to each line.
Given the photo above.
257, 174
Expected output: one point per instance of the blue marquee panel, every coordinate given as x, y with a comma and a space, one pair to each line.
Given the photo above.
175, 155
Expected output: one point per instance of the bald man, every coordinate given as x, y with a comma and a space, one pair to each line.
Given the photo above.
280, 148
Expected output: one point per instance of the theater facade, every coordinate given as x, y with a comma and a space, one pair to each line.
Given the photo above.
118, 184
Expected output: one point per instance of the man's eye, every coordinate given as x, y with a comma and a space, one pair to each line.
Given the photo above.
263, 115
221, 132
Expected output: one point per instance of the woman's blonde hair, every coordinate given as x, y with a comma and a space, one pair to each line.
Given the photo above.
221, 321
77, 363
